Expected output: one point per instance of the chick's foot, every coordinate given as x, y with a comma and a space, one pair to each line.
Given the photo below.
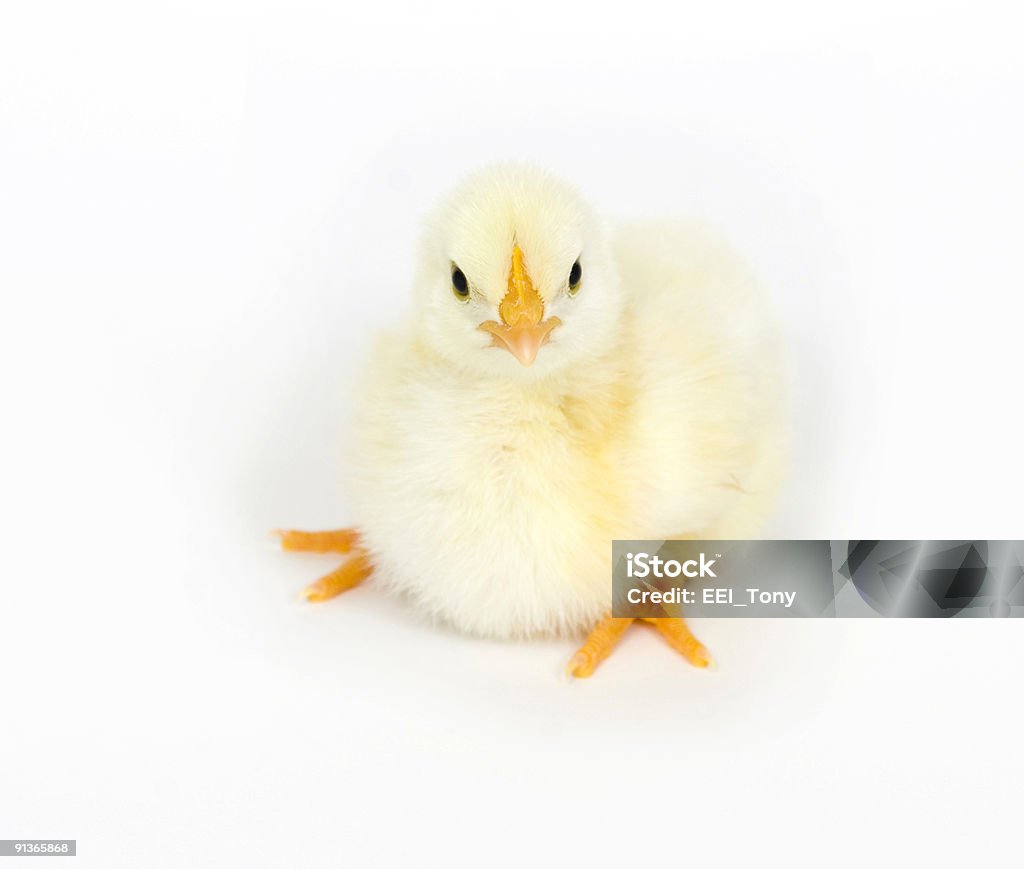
349, 575
602, 640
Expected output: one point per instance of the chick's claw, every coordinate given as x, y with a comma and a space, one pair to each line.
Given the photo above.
681, 638
341, 540
598, 646
348, 576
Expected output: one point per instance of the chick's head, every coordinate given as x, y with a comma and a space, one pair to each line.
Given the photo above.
516, 278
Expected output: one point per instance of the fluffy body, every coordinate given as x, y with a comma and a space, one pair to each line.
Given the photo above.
489, 493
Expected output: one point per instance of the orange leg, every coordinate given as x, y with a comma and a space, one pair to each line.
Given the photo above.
603, 638
348, 576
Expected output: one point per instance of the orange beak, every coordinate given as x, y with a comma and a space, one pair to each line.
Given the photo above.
523, 329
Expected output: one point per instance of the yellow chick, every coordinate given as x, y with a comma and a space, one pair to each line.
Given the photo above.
556, 387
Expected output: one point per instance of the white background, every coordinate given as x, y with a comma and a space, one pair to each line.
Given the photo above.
205, 211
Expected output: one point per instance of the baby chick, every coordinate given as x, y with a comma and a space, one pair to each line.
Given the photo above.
556, 387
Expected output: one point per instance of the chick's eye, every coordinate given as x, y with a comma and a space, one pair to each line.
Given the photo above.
460, 286
575, 275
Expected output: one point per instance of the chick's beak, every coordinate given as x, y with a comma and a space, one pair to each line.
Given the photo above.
523, 329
